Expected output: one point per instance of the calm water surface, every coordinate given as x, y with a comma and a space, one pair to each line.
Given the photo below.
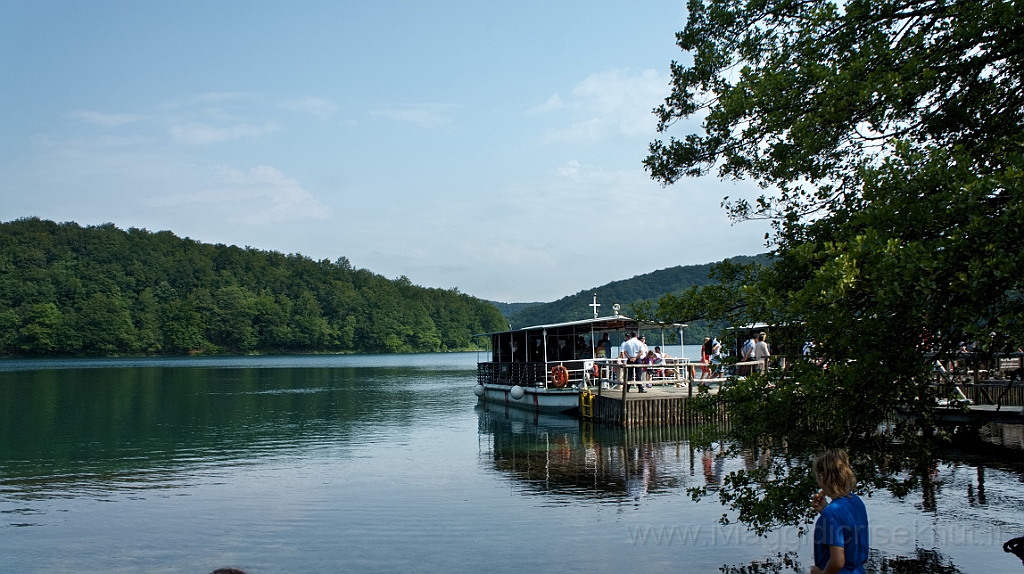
387, 464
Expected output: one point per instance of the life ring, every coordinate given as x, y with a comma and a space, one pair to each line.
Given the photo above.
560, 375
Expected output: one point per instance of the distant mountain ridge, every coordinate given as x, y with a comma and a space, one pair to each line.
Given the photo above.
624, 292
509, 309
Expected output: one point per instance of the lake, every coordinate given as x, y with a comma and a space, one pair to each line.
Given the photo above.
387, 464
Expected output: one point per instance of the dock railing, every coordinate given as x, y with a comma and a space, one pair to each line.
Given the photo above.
975, 383
670, 371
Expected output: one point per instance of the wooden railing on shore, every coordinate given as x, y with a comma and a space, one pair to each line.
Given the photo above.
1002, 385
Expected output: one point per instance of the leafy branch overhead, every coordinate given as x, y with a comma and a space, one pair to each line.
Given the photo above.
803, 95
888, 139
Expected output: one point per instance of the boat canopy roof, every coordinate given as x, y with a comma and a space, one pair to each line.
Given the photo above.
761, 325
615, 323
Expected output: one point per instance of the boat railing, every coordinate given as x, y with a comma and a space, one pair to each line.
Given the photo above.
669, 371
678, 371
520, 373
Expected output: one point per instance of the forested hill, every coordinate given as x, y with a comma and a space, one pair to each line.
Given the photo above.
72, 290
509, 309
641, 287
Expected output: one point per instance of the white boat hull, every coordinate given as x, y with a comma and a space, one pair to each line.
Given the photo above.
534, 399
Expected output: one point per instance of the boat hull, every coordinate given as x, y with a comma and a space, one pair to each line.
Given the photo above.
534, 399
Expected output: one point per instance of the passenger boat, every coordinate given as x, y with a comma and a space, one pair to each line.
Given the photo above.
544, 368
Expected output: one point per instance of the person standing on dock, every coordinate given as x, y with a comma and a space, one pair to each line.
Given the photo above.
705, 357
716, 357
747, 354
630, 350
644, 351
761, 352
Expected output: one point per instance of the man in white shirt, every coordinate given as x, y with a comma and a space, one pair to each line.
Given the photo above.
630, 350
761, 351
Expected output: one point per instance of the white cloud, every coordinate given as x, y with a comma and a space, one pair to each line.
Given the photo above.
204, 98
318, 107
222, 96
94, 181
592, 129
106, 120
574, 170
201, 119
551, 104
509, 253
197, 133
543, 236
425, 115
261, 195
608, 104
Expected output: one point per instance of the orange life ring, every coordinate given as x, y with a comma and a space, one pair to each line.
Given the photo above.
560, 375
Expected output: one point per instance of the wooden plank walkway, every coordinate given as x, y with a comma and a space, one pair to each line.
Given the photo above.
668, 405
659, 405
667, 402
983, 414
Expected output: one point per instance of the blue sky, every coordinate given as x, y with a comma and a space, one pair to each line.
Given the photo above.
492, 147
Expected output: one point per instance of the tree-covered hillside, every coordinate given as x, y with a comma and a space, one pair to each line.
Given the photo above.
72, 290
626, 292
509, 309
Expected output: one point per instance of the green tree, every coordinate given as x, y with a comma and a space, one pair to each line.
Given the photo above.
9, 324
271, 321
232, 325
888, 137
147, 322
311, 330
184, 327
105, 325
41, 330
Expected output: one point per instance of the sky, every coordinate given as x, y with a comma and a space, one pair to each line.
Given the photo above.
491, 147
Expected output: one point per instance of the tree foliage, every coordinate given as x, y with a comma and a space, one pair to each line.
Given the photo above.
72, 290
887, 136
802, 95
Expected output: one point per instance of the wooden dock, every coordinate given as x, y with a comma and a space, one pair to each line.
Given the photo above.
1000, 414
659, 405
991, 402
986, 396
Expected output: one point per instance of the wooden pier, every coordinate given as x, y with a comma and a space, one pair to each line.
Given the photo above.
981, 414
986, 396
991, 393
990, 402
659, 405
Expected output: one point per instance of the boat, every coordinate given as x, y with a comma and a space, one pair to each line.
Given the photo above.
544, 368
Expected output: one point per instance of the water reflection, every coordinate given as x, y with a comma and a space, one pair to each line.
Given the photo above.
1004, 435
923, 561
560, 456
564, 461
68, 432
